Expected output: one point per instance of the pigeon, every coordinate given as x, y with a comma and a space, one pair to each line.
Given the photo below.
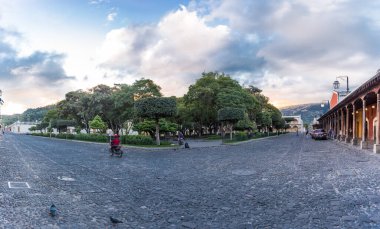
115, 221
53, 210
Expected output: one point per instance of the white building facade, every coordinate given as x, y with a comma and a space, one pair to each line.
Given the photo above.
295, 123
21, 127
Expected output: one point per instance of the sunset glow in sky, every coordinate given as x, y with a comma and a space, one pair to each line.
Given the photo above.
292, 49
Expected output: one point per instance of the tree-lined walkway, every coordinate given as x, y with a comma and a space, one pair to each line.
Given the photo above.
282, 182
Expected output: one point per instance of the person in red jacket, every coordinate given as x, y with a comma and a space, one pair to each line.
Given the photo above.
115, 143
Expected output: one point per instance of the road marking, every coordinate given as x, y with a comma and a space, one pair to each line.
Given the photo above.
13, 184
63, 178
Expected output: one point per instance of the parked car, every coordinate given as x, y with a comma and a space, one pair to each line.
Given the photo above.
318, 134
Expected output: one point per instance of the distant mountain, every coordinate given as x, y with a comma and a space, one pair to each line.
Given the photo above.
307, 111
30, 115
9, 119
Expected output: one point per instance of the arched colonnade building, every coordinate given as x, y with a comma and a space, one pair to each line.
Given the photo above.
355, 119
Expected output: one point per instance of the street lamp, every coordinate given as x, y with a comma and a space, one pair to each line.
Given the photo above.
342, 78
336, 85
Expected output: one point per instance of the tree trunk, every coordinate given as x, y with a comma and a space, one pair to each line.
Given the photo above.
157, 133
230, 132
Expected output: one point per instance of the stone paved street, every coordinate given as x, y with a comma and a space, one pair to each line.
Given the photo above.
283, 182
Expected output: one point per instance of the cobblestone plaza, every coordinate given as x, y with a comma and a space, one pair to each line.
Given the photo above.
282, 182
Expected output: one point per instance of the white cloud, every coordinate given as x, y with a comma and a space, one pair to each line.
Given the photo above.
173, 52
111, 16
29, 80
306, 44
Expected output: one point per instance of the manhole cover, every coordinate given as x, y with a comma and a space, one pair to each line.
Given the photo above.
18, 185
66, 178
243, 172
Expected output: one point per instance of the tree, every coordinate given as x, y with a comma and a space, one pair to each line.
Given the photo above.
246, 124
202, 98
231, 116
254, 90
156, 108
123, 110
149, 127
145, 88
97, 124
76, 106
102, 104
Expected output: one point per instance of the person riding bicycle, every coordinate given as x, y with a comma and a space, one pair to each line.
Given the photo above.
115, 143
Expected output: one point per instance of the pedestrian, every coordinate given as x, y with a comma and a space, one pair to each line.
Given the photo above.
180, 138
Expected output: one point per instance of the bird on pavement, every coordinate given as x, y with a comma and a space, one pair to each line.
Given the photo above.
115, 221
53, 210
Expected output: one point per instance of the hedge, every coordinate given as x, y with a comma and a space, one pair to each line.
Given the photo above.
137, 140
241, 136
80, 137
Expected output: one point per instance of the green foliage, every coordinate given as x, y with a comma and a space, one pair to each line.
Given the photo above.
137, 140
76, 106
91, 137
156, 107
230, 114
33, 114
241, 136
201, 99
33, 128
79, 137
97, 123
50, 115
246, 124
145, 88
65, 136
149, 126
10, 119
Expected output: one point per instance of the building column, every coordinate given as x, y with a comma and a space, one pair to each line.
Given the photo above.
335, 125
376, 147
363, 143
342, 125
354, 137
347, 125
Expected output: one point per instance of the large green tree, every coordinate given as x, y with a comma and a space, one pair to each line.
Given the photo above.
156, 108
76, 106
202, 98
231, 116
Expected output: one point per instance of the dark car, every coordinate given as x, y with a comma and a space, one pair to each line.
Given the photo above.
319, 134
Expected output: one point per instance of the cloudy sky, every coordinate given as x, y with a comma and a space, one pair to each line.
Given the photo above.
292, 49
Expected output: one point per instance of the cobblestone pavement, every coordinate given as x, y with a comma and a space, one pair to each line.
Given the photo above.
284, 182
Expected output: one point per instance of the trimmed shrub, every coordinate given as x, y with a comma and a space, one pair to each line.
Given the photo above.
241, 136
137, 140
65, 136
91, 137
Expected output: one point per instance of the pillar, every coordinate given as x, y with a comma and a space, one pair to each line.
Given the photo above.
347, 124
354, 137
363, 143
341, 125
336, 124
376, 147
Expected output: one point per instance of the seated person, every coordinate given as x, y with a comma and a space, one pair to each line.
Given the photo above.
115, 143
